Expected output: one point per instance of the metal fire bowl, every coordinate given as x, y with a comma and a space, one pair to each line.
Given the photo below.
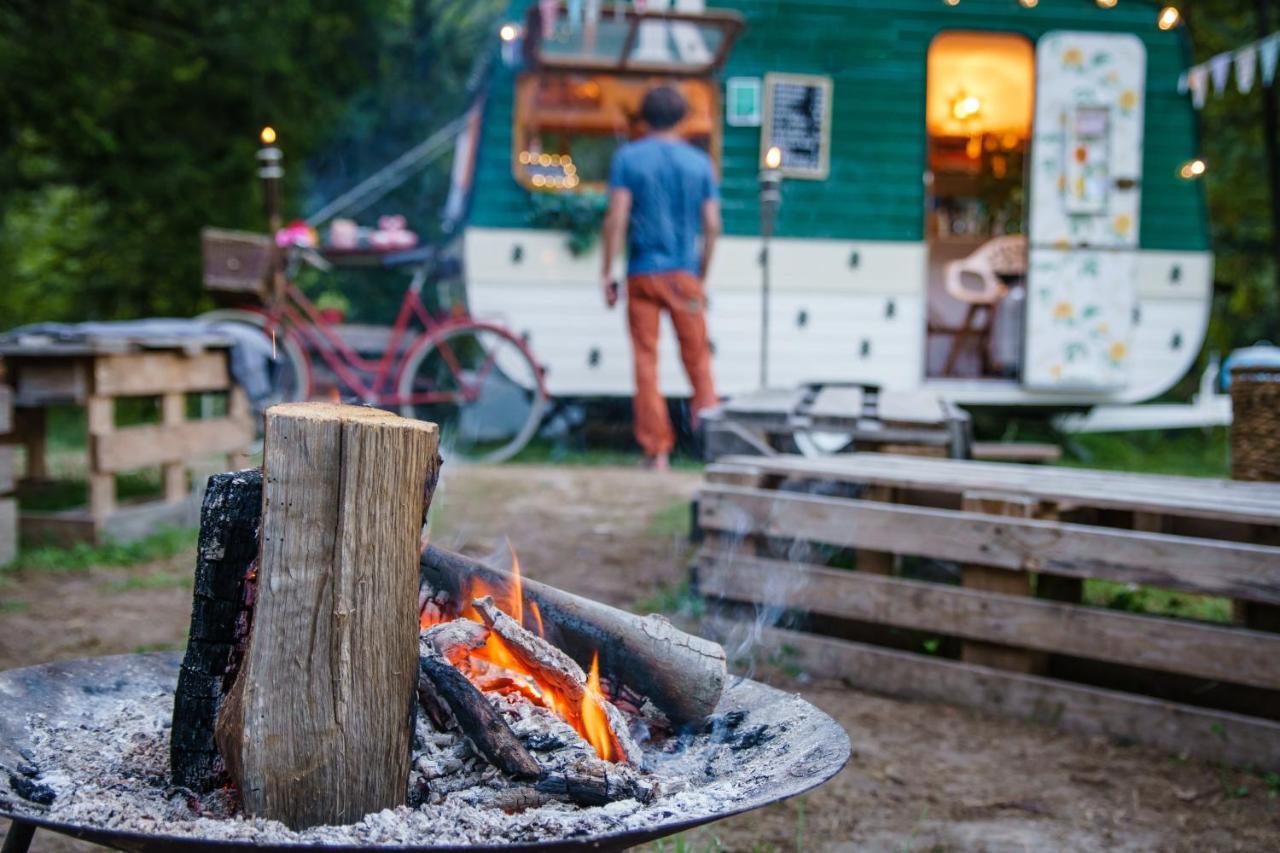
67, 690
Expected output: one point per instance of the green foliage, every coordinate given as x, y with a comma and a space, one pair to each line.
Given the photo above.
580, 215
1247, 307
1157, 602
1191, 453
125, 128
161, 545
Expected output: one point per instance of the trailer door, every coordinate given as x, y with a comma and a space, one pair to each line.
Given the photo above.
1085, 194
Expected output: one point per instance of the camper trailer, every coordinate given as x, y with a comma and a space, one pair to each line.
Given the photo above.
991, 199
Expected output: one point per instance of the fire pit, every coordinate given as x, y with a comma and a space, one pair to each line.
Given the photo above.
92, 734
346, 686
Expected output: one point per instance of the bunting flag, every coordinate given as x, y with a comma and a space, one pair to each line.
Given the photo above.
1268, 53
1246, 65
1198, 82
574, 8
1245, 61
1219, 70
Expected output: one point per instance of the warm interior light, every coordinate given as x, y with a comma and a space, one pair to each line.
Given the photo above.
952, 2
980, 83
1192, 169
966, 107
1169, 18
773, 157
1029, 4
268, 135
1107, 4
509, 32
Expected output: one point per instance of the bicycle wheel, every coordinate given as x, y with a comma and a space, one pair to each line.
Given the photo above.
481, 385
288, 368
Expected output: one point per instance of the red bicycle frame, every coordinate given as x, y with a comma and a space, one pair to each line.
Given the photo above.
374, 382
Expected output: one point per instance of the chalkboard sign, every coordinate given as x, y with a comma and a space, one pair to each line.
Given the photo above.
797, 119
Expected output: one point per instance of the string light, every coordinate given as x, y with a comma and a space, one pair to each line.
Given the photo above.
952, 2
773, 157
509, 32
1192, 169
1169, 18
1029, 4
268, 135
1107, 4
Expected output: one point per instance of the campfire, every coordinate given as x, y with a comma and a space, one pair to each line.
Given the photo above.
344, 684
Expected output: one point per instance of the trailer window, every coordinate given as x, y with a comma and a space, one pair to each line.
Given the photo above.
568, 124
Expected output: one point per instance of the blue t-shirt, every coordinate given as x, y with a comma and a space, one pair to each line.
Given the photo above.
669, 181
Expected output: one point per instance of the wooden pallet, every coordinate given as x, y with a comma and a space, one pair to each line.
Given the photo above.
96, 375
1006, 630
8, 504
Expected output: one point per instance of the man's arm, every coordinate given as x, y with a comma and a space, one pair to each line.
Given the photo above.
711, 229
615, 232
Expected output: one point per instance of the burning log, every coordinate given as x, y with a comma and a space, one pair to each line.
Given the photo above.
316, 729
441, 687
644, 659
562, 675
227, 546
455, 641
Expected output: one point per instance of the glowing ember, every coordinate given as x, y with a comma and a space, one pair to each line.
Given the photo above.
587, 716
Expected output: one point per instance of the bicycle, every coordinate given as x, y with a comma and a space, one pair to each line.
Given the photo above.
474, 378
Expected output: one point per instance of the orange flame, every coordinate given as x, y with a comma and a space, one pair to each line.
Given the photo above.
334, 396
588, 718
595, 724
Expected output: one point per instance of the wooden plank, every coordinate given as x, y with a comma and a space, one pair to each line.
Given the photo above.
1184, 496
64, 527
1170, 645
1197, 565
40, 382
1027, 453
877, 562
102, 495
980, 577
1215, 736
6, 469
6, 409
8, 530
152, 373
31, 427
137, 447
100, 414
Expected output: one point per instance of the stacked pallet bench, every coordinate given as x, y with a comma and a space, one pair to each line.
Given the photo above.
95, 374
8, 504
838, 416
961, 582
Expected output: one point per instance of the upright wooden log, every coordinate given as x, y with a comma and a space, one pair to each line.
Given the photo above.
228, 544
316, 729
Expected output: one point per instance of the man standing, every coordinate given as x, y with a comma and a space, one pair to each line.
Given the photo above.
662, 196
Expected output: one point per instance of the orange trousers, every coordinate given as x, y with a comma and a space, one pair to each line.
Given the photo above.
680, 295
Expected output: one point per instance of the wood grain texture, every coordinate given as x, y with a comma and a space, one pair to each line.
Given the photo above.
1170, 645
1181, 729
1209, 566
317, 727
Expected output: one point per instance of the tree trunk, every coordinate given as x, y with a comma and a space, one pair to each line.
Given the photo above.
317, 727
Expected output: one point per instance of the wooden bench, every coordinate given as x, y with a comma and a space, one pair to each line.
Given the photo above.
96, 375
962, 582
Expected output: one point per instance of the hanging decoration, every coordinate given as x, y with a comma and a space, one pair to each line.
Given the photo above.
574, 9
1245, 61
1246, 64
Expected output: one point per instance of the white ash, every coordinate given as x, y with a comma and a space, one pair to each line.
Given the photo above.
111, 771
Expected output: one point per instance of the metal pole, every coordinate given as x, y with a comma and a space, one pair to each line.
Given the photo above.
770, 200
18, 839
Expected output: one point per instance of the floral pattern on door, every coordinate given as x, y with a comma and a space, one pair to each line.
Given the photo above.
1085, 197
1085, 331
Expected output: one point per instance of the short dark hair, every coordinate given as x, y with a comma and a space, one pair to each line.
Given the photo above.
663, 107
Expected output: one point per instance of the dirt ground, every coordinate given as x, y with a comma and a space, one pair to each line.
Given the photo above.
922, 777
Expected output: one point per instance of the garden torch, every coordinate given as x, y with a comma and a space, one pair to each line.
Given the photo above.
770, 201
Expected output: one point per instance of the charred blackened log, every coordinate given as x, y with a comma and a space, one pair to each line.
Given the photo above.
227, 546
640, 656
451, 701
596, 783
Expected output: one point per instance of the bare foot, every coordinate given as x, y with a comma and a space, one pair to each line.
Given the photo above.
657, 462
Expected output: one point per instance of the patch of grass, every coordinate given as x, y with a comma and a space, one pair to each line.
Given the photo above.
155, 647
671, 599
159, 580
548, 452
673, 521
164, 543
1188, 452
14, 606
67, 494
1155, 601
